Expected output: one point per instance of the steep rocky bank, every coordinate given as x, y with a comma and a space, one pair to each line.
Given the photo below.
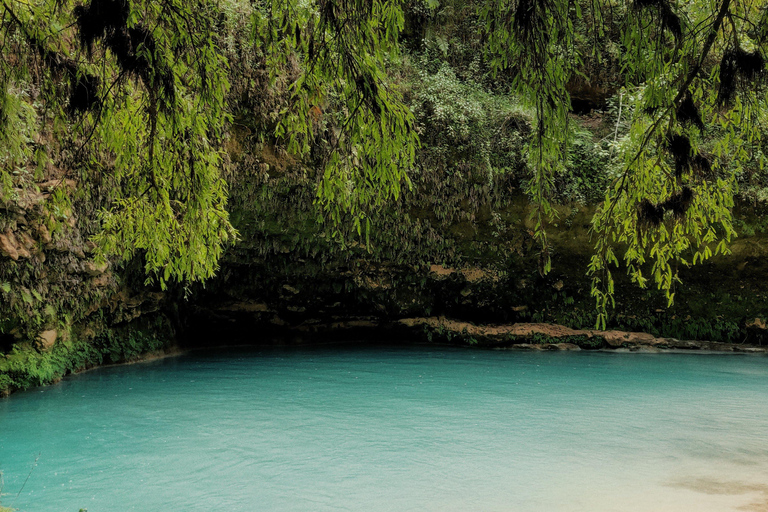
557, 337
62, 310
468, 276
456, 250
478, 265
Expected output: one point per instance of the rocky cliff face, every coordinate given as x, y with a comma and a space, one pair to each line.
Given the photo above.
462, 249
61, 310
458, 254
50, 279
457, 246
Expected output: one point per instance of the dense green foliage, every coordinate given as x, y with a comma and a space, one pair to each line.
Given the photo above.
342, 102
685, 69
150, 103
133, 93
25, 367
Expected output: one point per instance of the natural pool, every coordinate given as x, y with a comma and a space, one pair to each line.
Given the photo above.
394, 429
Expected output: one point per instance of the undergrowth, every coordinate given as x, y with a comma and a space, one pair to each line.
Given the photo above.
25, 367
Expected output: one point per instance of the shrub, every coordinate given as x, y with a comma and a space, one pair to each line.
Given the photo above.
462, 125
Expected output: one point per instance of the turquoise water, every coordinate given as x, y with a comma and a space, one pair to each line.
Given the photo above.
394, 429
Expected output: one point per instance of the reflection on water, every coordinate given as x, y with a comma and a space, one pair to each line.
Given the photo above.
375, 429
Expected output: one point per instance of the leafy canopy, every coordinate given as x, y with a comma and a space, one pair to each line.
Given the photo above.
133, 92
343, 48
694, 79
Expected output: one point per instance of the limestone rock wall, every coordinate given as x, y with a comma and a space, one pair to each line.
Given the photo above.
50, 279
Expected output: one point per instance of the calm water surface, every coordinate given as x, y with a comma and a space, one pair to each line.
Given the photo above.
395, 429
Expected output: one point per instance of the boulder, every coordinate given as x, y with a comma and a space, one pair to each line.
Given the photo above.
290, 289
51, 185
757, 331
249, 307
27, 199
46, 339
8, 245
622, 339
23, 252
27, 243
441, 271
93, 269
474, 275
100, 281
41, 230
